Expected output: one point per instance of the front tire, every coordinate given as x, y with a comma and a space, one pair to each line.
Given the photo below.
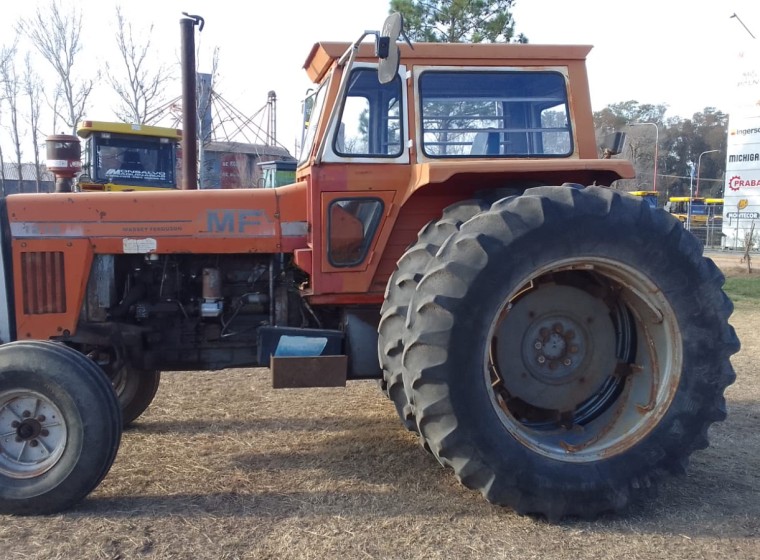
60, 427
569, 345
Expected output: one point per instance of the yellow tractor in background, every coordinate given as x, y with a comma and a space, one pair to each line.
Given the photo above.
128, 157
702, 216
650, 197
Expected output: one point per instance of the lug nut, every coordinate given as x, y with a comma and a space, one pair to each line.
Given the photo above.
541, 360
34, 443
26, 414
567, 361
537, 345
44, 433
14, 424
41, 418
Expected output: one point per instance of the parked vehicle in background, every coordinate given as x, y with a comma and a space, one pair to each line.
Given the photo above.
128, 157
702, 216
651, 197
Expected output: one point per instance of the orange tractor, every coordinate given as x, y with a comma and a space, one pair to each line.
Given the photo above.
451, 232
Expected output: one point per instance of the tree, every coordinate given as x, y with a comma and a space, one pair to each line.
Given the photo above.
640, 144
11, 89
32, 88
619, 115
6, 58
141, 94
458, 21
57, 36
680, 143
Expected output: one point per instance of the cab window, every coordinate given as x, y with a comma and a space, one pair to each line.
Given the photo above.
370, 123
494, 114
352, 223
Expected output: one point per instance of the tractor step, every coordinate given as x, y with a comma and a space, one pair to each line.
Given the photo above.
292, 372
303, 357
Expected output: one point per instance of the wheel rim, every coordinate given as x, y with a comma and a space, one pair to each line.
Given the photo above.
32, 434
584, 359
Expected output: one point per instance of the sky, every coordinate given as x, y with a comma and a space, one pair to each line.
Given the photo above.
676, 52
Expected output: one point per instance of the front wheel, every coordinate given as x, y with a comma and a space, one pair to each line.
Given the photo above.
569, 345
60, 427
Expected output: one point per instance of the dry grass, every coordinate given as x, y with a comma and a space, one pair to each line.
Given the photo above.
222, 466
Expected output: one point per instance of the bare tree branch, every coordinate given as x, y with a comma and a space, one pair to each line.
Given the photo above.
32, 87
6, 58
11, 89
141, 90
56, 34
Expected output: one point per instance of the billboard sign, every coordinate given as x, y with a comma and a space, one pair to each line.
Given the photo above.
742, 189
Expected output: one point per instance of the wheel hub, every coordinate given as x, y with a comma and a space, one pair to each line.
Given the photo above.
32, 434
557, 350
28, 430
556, 347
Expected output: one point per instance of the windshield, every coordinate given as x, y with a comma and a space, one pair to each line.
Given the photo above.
313, 105
134, 161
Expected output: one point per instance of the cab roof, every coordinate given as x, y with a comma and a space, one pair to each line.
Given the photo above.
87, 128
324, 54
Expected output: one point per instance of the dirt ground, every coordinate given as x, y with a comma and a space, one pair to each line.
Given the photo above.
221, 466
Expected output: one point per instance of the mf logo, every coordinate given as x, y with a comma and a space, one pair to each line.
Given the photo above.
234, 221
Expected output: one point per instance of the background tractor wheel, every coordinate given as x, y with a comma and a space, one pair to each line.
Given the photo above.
135, 389
60, 427
399, 292
569, 345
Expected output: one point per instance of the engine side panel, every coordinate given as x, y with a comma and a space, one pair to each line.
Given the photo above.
218, 221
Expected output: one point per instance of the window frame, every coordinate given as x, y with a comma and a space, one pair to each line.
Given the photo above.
331, 155
421, 71
369, 235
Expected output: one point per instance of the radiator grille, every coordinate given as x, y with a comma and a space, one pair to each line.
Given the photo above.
43, 282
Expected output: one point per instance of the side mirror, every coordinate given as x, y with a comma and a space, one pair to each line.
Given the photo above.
386, 47
613, 144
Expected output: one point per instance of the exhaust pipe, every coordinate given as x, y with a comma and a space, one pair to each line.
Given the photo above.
189, 102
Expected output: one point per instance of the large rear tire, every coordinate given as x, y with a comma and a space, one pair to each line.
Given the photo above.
569, 345
60, 427
398, 294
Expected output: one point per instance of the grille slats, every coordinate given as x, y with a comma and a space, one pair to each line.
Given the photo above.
43, 282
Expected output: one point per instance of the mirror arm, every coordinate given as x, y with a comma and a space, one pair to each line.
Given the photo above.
354, 48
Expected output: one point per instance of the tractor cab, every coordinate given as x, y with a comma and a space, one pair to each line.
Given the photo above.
128, 157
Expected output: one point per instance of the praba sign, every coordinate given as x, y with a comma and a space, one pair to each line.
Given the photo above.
736, 182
